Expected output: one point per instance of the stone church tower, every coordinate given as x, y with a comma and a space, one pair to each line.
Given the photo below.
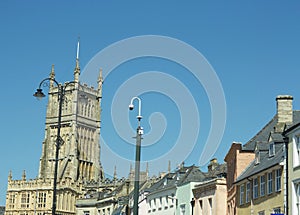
79, 153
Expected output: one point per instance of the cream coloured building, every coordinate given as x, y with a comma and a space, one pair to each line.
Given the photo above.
79, 154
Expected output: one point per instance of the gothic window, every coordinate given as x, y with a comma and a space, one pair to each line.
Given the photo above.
41, 199
25, 197
12, 200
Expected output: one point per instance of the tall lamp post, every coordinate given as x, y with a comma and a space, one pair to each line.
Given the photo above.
139, 133
61, 94
193, 205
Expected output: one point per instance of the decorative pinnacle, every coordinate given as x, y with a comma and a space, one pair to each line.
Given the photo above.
77, 67
52, 73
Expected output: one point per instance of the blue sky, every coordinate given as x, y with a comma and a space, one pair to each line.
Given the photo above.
253, 47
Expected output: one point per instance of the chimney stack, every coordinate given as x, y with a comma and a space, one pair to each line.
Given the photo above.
213, 164
284, 109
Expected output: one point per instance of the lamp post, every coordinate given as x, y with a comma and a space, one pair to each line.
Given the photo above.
193, 205
139, 133
61, 94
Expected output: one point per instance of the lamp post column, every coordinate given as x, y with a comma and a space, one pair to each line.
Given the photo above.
139, 133
137, 170
61, 98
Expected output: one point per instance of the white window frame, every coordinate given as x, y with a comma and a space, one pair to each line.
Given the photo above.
262, 185
296, 150
270, 182
248, 190
278, 180
255, 188
242, 190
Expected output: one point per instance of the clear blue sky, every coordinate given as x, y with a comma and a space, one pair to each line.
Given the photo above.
253, 47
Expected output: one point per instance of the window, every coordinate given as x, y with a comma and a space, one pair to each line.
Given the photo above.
296, 150
261, 213
242, 194
277, 210
182, 209
257, 157
154, 204
296, 196
262, 185
201, 206
160, 203
166, 203
255, 188
271, 149
12, 200
25, 200
86, 212
248, 187
210, 205
278, 180
270, 182
41, 200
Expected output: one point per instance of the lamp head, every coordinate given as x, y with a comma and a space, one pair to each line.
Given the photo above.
39, 94
131, 106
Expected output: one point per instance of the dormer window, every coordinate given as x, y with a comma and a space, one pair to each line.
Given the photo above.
165, 182
271, 149
257, 157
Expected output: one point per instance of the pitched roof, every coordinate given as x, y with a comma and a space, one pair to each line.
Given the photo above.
265, 163
264, 133
179, 177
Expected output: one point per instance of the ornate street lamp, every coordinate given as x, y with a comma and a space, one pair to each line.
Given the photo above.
61, 95
139, 133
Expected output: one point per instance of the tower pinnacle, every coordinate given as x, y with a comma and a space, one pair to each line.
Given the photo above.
77, 67
100, 83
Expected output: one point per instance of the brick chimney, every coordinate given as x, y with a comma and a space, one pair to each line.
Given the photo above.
284, 111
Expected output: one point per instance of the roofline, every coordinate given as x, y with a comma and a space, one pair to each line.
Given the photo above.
235, 182
290, 129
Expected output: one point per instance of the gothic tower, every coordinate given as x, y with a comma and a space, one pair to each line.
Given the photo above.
79, 154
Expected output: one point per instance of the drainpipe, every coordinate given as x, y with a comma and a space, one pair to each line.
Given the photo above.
286, 142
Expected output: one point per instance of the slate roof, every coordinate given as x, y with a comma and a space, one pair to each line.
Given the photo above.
263, 134
265, 162
220, 170
179, 177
